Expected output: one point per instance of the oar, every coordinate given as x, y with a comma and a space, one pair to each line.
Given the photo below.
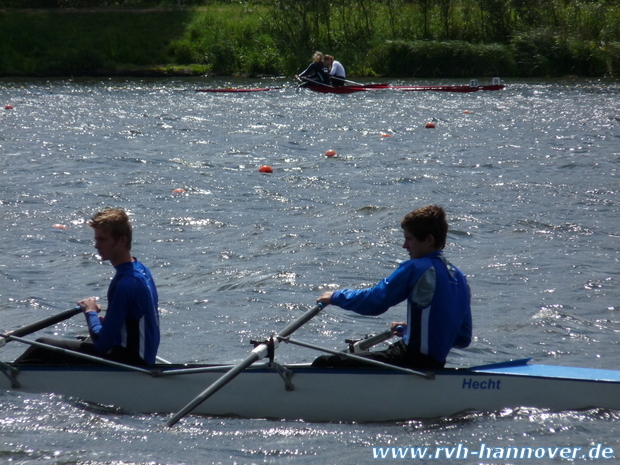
365, 344
313, 82
74, 353
34, 327
259, 352
239, 89
351, 82
368, 361
340, 79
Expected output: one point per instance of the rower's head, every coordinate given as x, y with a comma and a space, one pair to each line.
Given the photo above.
328, 60
317, 57
425, 230
115, 222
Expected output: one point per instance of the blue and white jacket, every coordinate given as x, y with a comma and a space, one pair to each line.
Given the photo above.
438, 303
132, 319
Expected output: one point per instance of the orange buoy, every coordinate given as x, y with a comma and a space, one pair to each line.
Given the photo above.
59, 226
430, 125
265, 169
8, 107
386, 135
178, 191
467, 112
330, 153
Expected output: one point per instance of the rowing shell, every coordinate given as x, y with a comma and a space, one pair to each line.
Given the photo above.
300, 391
324, 88
349, 89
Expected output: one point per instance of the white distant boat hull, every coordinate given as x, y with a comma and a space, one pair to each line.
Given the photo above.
349, 395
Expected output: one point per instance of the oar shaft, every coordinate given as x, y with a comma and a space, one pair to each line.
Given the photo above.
315, 82
220, 383
350, 82
91, 358
259, 352
368, 361
302, 320
52, 320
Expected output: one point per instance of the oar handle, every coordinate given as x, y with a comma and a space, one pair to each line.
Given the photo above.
365, 344
52, 320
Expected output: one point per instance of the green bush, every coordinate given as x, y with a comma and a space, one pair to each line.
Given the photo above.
438, 59
51, 42
229, 40
611, 50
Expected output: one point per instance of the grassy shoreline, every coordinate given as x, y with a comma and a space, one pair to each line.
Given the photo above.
254, 39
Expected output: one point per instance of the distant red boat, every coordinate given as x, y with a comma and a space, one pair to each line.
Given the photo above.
325, 89
472, 87
349, 89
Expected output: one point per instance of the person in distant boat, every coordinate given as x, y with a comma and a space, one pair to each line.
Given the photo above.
438, 299
316, 73
129, 333
337, 73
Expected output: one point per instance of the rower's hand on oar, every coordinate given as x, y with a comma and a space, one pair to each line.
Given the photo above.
89, 305
398, 328
325, 298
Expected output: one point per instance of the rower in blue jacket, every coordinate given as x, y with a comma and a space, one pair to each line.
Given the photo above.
316, 73
438, 299
129, 333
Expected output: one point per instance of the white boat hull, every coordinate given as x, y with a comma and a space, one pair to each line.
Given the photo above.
349, 395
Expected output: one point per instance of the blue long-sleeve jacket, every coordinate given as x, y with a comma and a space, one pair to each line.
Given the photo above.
316, 71
132, 319
438, 303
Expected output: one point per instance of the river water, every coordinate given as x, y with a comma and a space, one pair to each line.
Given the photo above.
528, 176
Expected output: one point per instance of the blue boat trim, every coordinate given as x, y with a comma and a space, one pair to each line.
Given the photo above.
510, 363
557, 372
